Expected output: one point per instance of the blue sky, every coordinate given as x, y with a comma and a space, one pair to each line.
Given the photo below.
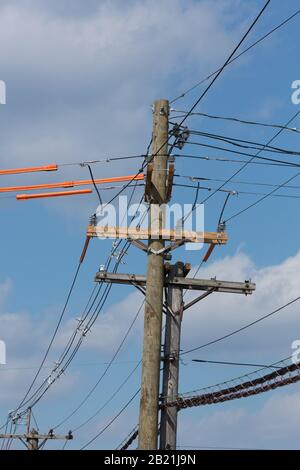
81, 77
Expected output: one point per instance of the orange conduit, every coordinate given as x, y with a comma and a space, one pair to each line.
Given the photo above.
21, 197
71, 184
32, 169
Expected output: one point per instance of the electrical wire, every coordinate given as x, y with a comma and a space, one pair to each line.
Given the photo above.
228, 335
203, 94
265, 196
266, 161
112, 420
94, 317
80, 340
242, 121
49, 381
240, 143
52, 339
237, 192
218, 73
78, 344
95, 186
103, 160
252, 158
109, 399
91, 391
46, 381
226, 363
262, 38
249, 183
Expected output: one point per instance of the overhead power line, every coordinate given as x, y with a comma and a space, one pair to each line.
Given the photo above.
40, 392
247, 154
242, 121
262, 38
109, 400
239, 330
249, 183
218, 73
234, 389
52, 339
70, 184
226, 363
95, 386
241, 143
231, 389
236, 192
252, 158
265, 196
266, 161
111, 421
48, 382
201, 96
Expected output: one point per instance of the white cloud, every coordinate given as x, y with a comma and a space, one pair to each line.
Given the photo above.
81, 87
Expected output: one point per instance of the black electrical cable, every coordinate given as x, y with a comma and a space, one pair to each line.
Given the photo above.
266, 162
253, 157
110, 398
95, 186
239, 55
253, 145
248, 183
201, 96
91, 391
226, 363
218, 73
236, 192
264, 196
112, 420
243, 121
228, 335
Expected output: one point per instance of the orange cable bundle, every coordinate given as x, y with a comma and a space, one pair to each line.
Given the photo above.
32, 169
22, 197
71, 184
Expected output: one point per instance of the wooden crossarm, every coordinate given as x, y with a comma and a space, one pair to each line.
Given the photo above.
130, 233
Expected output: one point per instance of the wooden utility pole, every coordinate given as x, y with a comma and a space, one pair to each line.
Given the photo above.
148, 421
33, 440
168, 422
158, 190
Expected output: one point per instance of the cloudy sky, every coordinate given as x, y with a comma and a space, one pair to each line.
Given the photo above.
81, 78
